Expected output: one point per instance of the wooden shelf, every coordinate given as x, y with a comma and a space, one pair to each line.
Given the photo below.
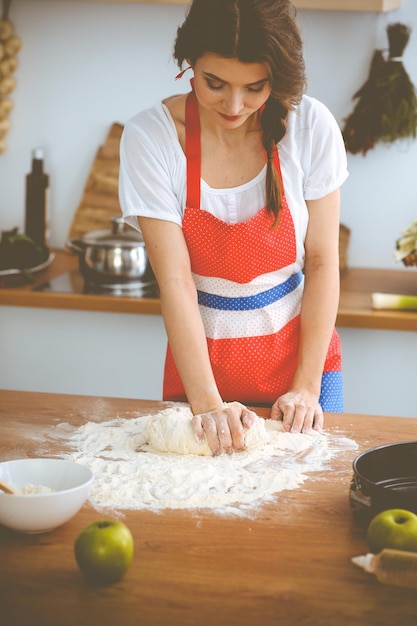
377, 6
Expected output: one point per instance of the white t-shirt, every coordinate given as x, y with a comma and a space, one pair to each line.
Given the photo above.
152, 180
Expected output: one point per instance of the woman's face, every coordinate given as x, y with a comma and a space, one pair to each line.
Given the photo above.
228, 90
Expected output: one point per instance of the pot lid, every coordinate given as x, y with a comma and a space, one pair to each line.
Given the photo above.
120, 234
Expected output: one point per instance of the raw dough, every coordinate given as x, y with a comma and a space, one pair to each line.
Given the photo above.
171, 431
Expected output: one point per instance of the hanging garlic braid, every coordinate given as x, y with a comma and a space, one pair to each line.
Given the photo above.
252, 31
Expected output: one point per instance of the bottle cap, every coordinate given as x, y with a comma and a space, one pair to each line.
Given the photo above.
364, 561
38, 154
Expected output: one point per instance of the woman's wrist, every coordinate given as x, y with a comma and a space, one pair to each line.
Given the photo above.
308, 383
206, 404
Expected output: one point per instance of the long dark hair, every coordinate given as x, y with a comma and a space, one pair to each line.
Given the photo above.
253, 31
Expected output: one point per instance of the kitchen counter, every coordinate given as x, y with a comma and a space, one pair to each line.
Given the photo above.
63, 263
288, 563
356, 287
355, 309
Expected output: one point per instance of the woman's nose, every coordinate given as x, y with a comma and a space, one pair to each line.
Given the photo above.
234, 102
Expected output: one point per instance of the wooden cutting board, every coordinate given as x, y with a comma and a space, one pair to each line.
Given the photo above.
100, 201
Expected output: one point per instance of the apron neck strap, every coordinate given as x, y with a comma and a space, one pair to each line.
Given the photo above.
193, 151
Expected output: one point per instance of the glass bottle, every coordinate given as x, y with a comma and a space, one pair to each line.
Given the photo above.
392, 567
36, 213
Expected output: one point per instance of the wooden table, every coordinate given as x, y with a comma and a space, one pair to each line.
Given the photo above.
289, 564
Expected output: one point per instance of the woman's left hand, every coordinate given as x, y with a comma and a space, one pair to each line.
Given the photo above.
299, 411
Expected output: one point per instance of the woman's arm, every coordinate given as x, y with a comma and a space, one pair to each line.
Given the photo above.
299, 408
170, 262
168, 254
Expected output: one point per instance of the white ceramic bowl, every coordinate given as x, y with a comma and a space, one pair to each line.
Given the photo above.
42, 512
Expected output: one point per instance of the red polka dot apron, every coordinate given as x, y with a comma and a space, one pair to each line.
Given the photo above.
249, 286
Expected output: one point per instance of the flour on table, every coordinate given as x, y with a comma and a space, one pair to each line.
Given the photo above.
155, 462
171, 431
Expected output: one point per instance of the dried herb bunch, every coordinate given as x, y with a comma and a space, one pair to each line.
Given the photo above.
387, 103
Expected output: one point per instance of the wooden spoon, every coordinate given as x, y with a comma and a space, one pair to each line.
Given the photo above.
6, 488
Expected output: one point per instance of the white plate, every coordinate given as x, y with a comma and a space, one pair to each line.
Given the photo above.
31, 270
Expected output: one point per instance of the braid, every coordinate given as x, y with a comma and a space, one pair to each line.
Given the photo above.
274, 127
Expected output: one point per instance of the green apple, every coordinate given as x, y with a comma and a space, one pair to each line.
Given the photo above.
393, 528
104, 550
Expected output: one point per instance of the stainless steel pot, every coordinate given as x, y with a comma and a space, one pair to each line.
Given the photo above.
113, 258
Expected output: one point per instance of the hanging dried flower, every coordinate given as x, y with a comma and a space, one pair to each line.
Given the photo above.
387, 103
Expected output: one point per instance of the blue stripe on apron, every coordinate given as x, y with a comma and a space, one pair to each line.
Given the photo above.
331, 395
246, 303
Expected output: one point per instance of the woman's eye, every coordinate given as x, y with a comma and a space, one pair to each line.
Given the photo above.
214, 85
256, 89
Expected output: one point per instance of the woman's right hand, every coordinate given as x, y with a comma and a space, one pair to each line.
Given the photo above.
224, 428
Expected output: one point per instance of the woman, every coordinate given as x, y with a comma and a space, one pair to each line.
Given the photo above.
235, 187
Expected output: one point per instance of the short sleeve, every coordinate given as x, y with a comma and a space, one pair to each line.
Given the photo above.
152, 169
327, 162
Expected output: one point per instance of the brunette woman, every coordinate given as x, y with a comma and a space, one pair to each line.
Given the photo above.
235, 187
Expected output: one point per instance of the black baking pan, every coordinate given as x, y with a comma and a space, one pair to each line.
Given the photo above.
384, 477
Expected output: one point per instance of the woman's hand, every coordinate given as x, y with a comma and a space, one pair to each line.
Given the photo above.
299, 411
224, 428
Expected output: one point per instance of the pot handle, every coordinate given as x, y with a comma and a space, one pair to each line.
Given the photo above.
118, 225
77, 245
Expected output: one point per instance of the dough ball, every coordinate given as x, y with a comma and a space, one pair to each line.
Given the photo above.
171, 431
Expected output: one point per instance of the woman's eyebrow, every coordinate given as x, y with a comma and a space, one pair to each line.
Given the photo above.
258, 82
213, 77
220, 80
